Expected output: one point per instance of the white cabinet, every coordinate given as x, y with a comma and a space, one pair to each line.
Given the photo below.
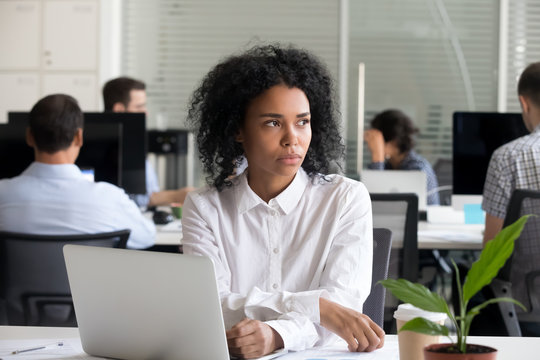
20, 43
81, 86
48, 46
18, 92
70, 35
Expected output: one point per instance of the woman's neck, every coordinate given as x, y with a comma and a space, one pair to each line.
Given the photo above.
267, 187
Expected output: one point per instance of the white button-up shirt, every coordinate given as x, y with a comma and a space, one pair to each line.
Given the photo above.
274, 260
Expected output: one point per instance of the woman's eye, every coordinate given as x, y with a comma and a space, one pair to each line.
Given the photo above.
303, 122
272, 123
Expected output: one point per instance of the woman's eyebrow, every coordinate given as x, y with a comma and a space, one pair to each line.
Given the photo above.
274, 115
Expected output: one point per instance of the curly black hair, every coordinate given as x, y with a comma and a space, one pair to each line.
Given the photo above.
218, 107
396, 126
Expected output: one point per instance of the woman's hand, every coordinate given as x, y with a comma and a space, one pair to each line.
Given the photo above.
358, 330
252, 339
375, 142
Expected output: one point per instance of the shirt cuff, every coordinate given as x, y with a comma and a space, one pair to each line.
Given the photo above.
297, 333
307, 304
379, 165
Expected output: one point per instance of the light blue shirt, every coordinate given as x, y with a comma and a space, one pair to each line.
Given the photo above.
152, 186
57, 200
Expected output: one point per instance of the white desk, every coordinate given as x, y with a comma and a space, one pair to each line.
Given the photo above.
509, 348
450, 236
170, 234
430, 236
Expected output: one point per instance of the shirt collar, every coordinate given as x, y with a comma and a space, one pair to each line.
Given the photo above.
536, 129
53, 171
286, 200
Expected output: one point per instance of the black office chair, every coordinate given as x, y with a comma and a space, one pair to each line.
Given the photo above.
398, 212
443, 171
374, 304
520, 277
33, 279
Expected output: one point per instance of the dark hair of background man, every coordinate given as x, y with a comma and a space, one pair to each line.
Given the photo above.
54, 121
117, 91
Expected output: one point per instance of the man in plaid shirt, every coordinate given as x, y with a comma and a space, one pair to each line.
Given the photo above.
515, 165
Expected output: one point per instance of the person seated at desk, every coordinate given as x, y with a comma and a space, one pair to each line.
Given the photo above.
52, 196
516, 165
390, 141
125, 94
292, 247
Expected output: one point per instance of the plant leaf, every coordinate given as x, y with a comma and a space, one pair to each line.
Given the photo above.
424, 326
492, 258
478, 308
416, 294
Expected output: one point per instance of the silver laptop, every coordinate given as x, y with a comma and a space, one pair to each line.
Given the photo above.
397, 181
145, 305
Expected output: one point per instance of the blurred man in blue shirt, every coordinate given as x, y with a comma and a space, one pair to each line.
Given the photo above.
125, 94
52, 196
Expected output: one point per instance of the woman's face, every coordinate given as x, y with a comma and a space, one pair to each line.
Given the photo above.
276, 133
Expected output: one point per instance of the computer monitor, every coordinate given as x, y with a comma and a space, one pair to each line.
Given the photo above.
100, 154
132, 177
476, 135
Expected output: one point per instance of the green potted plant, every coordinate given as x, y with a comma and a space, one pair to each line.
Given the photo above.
491, 260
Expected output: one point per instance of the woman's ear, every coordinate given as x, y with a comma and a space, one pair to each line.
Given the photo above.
239, 137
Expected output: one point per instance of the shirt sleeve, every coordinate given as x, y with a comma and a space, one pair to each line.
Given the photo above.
152, 186
379, 165
128, 215
346, 278
498, 185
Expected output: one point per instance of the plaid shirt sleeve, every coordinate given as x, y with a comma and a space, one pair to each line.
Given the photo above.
499, 184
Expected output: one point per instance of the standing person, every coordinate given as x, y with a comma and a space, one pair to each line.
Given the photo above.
52, 197
390, 141
292, 246
125, 94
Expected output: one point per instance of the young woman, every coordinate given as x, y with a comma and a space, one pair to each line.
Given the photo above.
390, 141
292, 247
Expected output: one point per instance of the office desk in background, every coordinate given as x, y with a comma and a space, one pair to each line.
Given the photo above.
430, 236
170, 234
17, 337
450, 236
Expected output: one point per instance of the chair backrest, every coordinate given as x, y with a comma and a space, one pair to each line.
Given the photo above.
399, 213
374, 304
443, 171
523, 267
33, 277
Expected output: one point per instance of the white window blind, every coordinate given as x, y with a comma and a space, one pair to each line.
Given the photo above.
523, 44
171, 44
427, 58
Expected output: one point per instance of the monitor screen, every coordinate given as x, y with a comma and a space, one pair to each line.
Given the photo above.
132, 176
476, 135
99, 155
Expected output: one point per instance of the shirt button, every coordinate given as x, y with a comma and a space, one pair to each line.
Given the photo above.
276, 250
274, 213
275, 286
